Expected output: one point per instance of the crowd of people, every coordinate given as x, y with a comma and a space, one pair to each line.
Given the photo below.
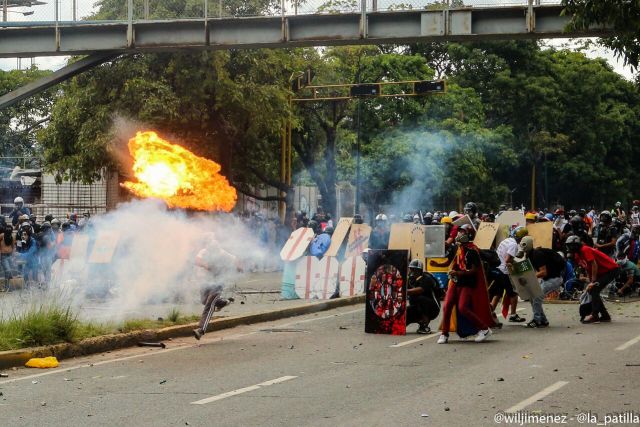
591, 252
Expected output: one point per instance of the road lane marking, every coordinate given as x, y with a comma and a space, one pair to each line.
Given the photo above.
204, 341
243, 390
539, 395
402, 344
629, 343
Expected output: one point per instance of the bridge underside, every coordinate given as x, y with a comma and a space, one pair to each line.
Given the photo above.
82, 37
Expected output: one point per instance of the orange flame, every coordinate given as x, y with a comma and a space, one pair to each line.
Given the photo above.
177, 176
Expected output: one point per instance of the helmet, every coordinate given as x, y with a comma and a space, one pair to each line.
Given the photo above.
573, 243
519, 232
549, 216
428, 215
618, 204
407, 218
446, 220
526, 244
328, 230
18, 200
55, 221
605, 216
470, 208
582, 212
357, 219
452, 214
572, 213
23, 217
531, 216
416, 217
469, 230
381, 217
33, 218
417, 264
48, 217
635, 208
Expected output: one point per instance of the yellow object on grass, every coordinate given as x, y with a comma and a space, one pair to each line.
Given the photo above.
42, 362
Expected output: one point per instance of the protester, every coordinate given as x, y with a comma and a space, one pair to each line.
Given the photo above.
19, 210
423, 293
379, 238
628, 280
7, 249
507, 251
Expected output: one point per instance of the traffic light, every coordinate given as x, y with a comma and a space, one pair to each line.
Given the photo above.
302, 80
429, 86
368, 89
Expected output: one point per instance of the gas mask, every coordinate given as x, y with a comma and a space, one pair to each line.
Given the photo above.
462, 238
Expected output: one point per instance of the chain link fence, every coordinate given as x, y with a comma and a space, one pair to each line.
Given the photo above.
15, 12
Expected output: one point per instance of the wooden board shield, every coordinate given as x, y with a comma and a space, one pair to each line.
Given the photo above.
386, 282
316, 279
352, 273
79, 247
435, 237
400, 235
503, 233
524, 280
511, 218
486, 235
464, 220
358, 240
339, 234
296, 244
418, 236
104, 248
542, 233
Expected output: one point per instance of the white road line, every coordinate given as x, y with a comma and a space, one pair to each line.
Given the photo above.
629, 343
539, 395
243, 390
402, 344
63, 369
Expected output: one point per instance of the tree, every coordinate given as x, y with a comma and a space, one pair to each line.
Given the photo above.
621, 16
20, 122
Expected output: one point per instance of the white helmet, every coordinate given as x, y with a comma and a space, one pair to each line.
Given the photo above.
381, 217
452, 214
18, 200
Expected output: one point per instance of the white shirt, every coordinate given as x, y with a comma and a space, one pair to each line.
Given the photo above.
508, 246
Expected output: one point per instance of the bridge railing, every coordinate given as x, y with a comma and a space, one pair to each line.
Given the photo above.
81, 11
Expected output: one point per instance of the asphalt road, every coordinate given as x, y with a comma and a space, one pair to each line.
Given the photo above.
322, 369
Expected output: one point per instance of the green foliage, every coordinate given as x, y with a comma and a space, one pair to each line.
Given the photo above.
622, 16
39, 325
174, 315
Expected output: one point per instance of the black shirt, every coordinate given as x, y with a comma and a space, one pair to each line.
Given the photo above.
429, 285
549, 258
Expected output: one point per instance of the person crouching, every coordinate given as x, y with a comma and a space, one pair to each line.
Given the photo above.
423, 293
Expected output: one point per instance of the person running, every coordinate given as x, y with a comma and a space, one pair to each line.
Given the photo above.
601, 271
507, 251
467, 291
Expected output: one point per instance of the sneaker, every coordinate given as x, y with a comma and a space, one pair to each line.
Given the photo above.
605, 319
423, 329
515, 318
198, 333
535, 324
483, 335
591, 319
443, 339
221, 303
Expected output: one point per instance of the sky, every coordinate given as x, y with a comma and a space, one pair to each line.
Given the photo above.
86, 7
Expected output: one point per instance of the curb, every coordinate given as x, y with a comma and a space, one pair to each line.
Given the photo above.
11, 358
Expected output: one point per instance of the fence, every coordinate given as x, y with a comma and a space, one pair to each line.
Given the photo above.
66, 11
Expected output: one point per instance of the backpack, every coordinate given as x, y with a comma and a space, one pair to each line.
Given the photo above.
490, 258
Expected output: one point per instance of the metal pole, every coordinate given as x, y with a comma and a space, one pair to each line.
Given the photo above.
75, 7
146, 9
219, 8
357, 204
4, 11
206, 9
56, 4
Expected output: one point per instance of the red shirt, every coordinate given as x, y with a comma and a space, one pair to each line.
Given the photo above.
587, 255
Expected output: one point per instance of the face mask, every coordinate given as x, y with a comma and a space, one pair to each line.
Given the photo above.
462, 238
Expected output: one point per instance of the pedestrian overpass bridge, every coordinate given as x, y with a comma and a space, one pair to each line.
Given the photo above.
364, 22
293, 23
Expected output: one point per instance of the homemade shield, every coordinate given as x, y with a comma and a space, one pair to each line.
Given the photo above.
434, 241
542, 233
104, 248
386, 292
400, 236
352, 274
339, 234
358, 240
464, 220
296, 244
316, 279
486, 235
524, 280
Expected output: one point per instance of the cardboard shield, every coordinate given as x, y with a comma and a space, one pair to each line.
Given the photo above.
339, 234
434, 241
400, 235
486, 235
386, 281
418, 236
524, 280
104, 248
316, 279
296, 244
358, 240
512, 219
352, 273
542, 233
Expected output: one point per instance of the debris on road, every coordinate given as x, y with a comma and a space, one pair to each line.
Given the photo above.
632, 364
4, 375
163, 381
151, 344
34, 382
42, 362
424, 415
343, 327
43, 403
500, 379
